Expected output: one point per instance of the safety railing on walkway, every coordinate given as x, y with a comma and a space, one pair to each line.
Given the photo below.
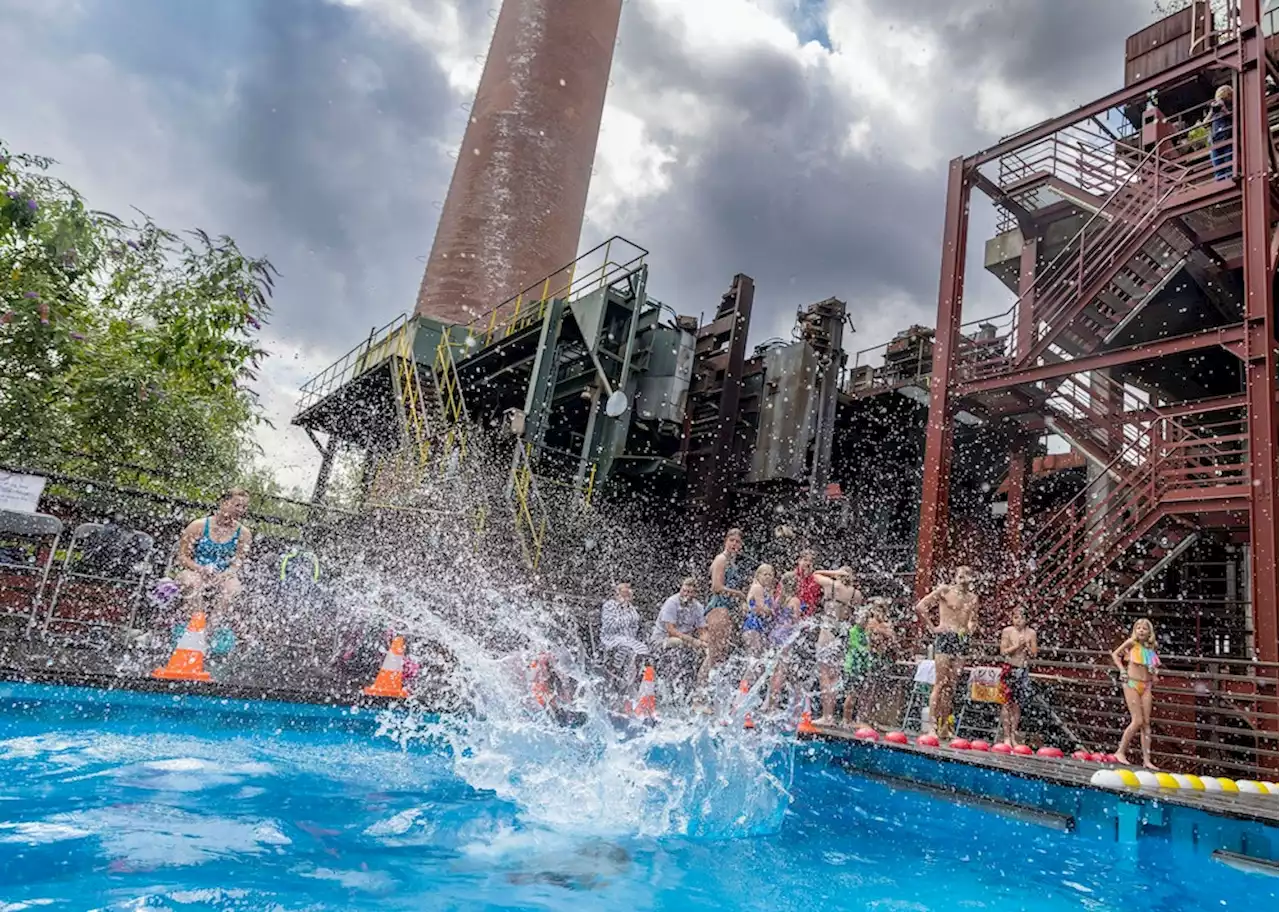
364, 357
601, 266
1080, 288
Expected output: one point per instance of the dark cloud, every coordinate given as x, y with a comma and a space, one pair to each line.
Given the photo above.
337, 124
774, 194
1066, 53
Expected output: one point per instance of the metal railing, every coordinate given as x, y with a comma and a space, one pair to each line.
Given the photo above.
601, 266
1184, 160
874, 368
1089, 533
363, 357
1096, 407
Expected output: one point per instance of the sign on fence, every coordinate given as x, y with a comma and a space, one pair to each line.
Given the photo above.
20, 492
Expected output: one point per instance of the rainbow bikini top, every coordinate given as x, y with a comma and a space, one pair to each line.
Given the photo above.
1141, 655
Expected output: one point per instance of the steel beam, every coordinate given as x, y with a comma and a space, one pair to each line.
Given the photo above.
1146, 351
1213, 404
1129, 94
936, 483
1259, 217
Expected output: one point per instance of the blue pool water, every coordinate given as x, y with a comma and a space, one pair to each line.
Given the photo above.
129, 801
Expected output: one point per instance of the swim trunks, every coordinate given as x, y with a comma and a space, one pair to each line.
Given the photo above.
1016, 684
949, 643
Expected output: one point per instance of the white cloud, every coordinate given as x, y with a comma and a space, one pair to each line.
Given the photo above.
438, 26
629, 165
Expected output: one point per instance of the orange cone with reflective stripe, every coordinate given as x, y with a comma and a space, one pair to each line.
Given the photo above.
806, 726
648, 703
187, 661
390, 679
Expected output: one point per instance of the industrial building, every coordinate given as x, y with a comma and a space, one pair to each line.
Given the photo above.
1138, 244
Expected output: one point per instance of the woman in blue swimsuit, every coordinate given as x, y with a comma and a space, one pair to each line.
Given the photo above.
211, 552
728, 591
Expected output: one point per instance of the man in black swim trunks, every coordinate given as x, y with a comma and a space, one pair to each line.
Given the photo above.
957, 619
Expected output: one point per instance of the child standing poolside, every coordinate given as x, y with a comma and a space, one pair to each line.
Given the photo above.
786, 621
761, 605
868, 660
1139, 666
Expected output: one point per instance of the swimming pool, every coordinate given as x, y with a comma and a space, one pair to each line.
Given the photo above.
131, 801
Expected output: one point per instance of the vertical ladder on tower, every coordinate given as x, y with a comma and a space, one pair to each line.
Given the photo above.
412, 405
453, 407
530, 510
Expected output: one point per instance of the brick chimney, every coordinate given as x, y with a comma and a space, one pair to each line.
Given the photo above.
514, 210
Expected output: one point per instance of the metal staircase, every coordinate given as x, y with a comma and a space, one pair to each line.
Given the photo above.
1170, 471
1130, 247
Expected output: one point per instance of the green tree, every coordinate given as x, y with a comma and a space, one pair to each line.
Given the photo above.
123, 344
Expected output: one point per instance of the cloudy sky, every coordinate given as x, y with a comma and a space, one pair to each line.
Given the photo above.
803, 142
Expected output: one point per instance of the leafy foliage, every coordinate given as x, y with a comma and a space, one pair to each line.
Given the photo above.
123, 344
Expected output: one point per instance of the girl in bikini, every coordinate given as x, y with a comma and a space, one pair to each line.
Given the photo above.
1139, 666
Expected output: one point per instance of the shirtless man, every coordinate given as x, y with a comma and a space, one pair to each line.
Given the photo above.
957, 620
833, 632
1017, 647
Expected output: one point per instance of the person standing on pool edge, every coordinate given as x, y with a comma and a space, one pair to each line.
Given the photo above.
1139, 666
957, 620
1017, 647
211, 552
729, 583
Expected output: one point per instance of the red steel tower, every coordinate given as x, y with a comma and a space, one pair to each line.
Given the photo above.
1139, 238
514, 210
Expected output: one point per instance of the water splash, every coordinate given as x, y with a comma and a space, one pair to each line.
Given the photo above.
608, 775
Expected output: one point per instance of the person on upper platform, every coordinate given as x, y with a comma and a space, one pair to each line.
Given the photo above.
1221, 120
211, 553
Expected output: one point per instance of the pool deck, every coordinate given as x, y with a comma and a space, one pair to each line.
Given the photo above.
1077, 774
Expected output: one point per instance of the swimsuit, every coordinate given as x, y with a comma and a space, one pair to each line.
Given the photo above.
733, 579
948, 642
809, 591
1015, 685
758, 622
215, 554
784, 623
1141, 655
860, 662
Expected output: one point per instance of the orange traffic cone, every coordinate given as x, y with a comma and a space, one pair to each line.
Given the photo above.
390, 679
647, 707
187, 661
806, 726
